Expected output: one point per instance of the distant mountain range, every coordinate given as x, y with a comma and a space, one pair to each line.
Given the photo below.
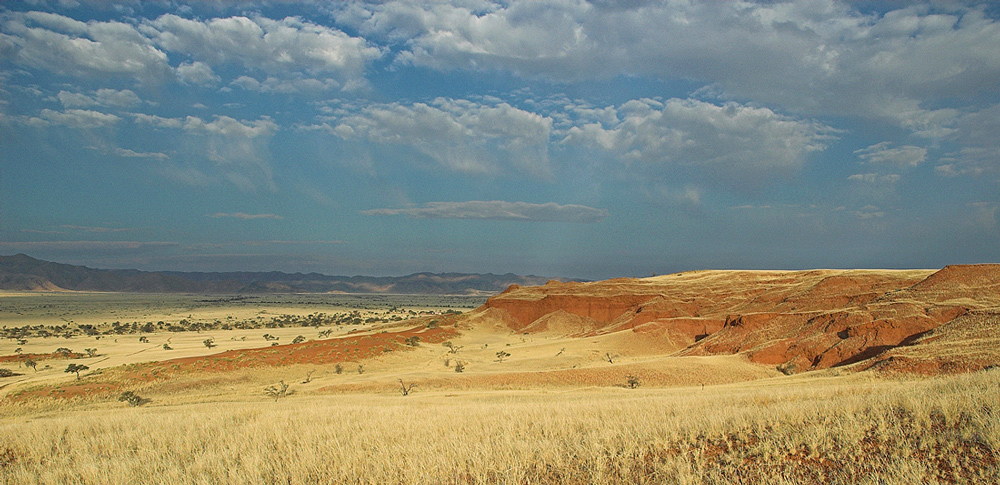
24, 273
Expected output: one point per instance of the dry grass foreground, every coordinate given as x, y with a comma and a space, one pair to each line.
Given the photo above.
801, 429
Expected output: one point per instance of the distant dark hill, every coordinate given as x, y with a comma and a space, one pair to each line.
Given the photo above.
24, 273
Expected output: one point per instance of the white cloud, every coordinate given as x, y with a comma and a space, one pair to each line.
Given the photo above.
874, 178
277, 47
816, 57
292, 84
882, 154
976, 134
459, 135
238, 149
198, 73
94, 49
158, 121
102, 97
77, 118
733, 142
243, 215
500, 210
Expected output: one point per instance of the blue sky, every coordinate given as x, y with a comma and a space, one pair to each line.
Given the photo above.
562, 138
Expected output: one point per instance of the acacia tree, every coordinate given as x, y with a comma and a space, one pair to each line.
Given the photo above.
76, 368
501, 355
32, 364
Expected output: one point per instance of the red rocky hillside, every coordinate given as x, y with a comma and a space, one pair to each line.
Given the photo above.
908, 320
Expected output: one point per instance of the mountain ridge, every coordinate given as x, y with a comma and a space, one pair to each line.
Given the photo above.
21, 272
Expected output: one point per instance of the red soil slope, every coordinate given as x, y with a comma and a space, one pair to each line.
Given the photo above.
799, 320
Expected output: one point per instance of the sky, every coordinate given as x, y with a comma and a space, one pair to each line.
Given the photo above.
562, 138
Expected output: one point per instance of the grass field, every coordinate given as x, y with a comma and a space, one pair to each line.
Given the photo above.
782, 430
555, 410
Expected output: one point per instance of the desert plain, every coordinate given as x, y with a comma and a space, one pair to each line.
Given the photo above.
822, 376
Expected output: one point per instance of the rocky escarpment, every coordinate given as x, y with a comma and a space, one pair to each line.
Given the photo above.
798, 320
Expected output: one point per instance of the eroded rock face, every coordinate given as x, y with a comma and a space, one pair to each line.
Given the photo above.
800, 320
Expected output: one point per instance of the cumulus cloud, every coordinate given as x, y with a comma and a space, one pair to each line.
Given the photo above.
731, 141
814, 57
882, 154
500, 210
94, 49
243, 215
277, 47
459, 135
198, 73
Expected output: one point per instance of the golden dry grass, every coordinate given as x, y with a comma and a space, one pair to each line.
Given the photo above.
850, 429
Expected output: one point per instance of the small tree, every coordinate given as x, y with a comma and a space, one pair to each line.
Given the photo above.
143, 340
209, 342
32, 364
298, 340
413, 341
279, 391
407, 389
338, 368
452, 348
91, 352
75, 369
607, 357
459, 367
65, 352
6, 372
308, 377
167, 347
501, 355
361, 368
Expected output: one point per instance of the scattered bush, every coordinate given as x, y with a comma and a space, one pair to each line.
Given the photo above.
279, 391
209, 342
632, 381
413, 341
338, 368
6, 372
298, 340
167, 347
131, 398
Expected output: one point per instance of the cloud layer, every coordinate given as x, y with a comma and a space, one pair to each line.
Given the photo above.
499, 210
